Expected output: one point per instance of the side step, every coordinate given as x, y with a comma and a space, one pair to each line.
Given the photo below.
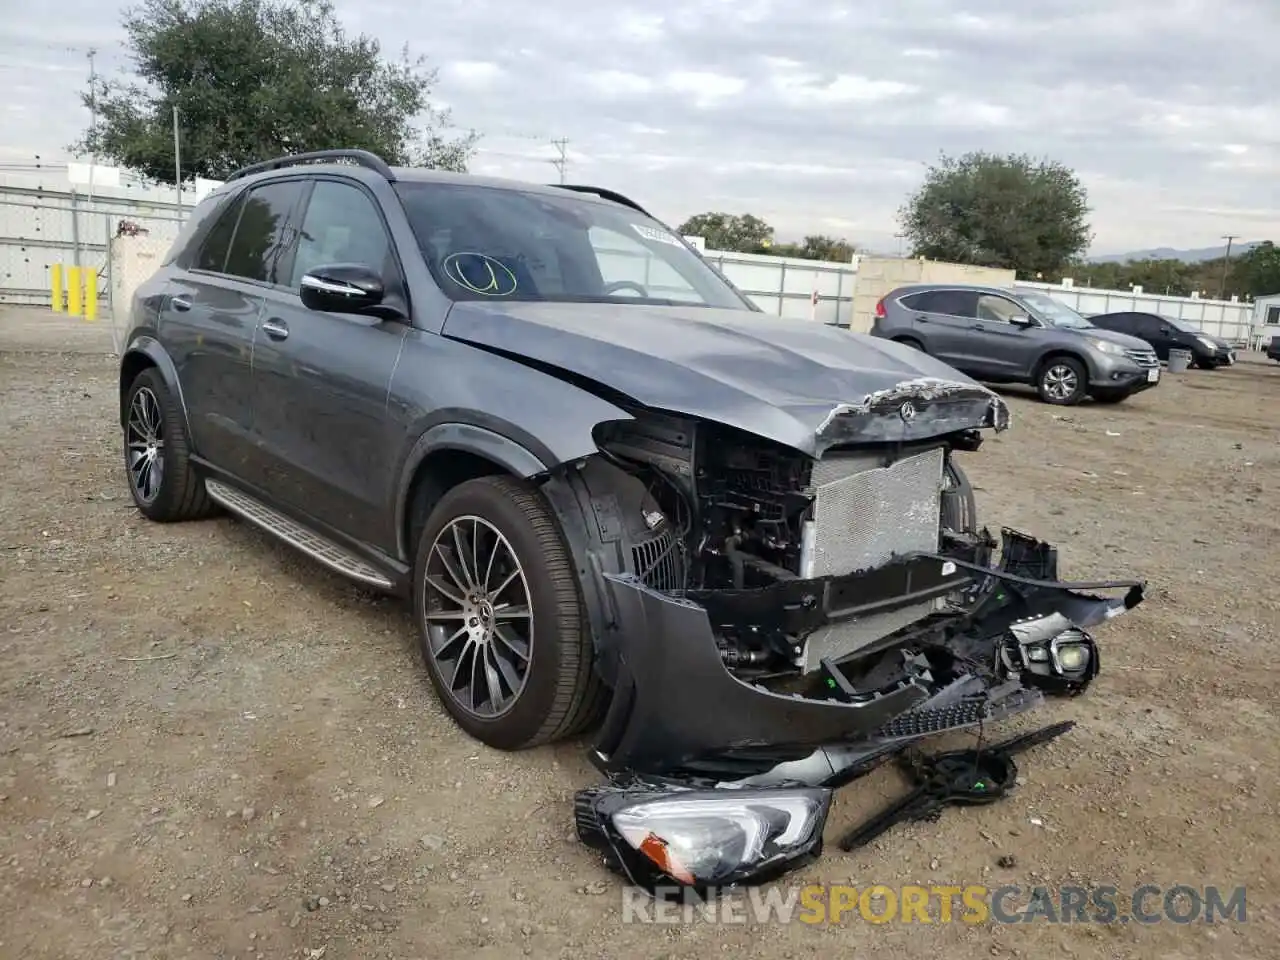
296, 535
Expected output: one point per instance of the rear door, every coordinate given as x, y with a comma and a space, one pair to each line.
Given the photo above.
209, 319
320, 380
941, 318
1160, 333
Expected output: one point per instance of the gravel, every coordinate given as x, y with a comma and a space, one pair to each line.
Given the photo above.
220, 672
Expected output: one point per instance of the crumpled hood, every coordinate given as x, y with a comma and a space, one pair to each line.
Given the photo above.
804, 384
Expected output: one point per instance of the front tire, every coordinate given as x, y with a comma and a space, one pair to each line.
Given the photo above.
1063, 381
157, 454
500, 617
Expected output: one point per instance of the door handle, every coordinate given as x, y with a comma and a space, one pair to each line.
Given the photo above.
181, 304
976, 326
275, 328
922, 319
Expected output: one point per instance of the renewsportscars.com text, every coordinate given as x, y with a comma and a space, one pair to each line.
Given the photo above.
968, 904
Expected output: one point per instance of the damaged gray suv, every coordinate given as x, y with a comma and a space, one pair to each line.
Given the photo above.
621, 499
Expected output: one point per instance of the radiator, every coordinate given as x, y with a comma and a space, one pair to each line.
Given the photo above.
864, 514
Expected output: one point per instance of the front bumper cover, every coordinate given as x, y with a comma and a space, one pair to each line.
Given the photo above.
678, 712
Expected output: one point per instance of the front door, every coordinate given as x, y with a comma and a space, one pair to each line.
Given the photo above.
320, 379
999, 348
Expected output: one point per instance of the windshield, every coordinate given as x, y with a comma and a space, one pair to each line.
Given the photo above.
1183, 326
1054, 311
496, 243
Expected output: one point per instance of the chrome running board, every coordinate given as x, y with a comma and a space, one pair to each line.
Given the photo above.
317, 547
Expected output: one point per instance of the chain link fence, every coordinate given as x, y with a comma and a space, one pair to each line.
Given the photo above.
46, 234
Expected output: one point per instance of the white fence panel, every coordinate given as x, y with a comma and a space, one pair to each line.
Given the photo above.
1230, 320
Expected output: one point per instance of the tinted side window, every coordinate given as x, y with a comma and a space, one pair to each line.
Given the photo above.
930, 301
1145, 325
1119, 322
197, 225
954, 303
341, 226
263, 236
213, 252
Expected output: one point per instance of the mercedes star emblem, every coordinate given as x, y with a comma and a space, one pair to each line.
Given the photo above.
908, 411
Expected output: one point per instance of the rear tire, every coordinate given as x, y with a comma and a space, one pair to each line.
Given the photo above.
1062, 381
157, 454
504, 635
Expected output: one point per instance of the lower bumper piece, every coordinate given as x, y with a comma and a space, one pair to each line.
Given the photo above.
677, 710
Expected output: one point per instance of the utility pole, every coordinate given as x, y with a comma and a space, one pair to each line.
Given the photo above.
177, 161
561, 163
93, 117
1226, 262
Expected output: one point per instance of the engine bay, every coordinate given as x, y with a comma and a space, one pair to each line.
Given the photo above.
761, 535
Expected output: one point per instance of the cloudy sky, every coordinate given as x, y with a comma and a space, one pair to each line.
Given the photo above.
817, 116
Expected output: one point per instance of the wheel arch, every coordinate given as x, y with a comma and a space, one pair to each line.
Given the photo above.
446, 455
1037, 371
143, 353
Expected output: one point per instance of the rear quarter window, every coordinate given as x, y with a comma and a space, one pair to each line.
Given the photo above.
202, 215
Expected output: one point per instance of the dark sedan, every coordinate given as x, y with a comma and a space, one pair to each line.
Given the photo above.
1273, 348
1165, 334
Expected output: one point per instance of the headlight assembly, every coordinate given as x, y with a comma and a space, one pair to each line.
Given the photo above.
702, 838
1051, 653
1106, 346
1207, 343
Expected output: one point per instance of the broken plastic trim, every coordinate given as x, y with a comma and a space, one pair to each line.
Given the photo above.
670, 670
913, 410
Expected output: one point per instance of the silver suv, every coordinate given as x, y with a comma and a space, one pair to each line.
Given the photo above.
1000, 336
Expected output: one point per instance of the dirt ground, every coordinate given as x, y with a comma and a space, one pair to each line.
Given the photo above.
210, 747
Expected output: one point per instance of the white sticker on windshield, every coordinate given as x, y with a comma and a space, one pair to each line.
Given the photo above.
658, 236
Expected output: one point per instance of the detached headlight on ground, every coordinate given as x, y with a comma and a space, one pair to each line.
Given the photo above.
1051, 653
703, 838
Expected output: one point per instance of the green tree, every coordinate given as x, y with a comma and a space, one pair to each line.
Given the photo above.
255, 79
999, 211
727, 231
817, 247
1257, 271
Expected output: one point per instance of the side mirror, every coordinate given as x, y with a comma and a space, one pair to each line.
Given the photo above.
341, 288
1023, 322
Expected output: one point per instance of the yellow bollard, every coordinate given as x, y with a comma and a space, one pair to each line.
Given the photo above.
55, 284
74, 292
90, 293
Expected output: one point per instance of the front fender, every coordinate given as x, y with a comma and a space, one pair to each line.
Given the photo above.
450, 395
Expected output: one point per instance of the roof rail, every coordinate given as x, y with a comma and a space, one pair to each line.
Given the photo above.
361, 158
605, 194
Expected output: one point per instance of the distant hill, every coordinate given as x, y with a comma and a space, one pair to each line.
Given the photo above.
1168, 253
